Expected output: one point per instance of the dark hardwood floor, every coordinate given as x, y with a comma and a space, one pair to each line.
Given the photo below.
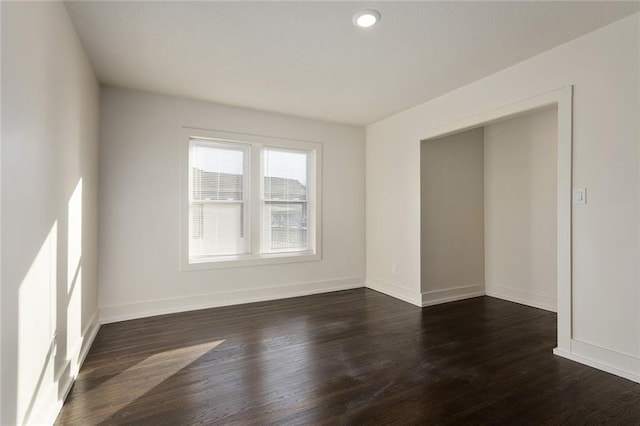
350, 357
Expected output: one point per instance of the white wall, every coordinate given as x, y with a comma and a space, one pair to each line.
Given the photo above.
141, 148
452, 211
603, 66
520, 208
49, 208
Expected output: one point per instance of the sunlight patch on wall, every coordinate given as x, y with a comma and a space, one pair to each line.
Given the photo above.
74, 234
74, 278
37, 326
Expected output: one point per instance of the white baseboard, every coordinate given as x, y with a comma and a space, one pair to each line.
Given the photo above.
109, 314
82, 350
523, 297
621, 365
436, 297
47, 415
393, 290
88, 337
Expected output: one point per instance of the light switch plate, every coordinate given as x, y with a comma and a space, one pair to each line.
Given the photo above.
579, 195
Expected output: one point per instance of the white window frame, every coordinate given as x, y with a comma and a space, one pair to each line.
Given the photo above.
254, 199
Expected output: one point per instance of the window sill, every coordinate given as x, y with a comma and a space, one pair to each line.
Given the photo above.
221, 262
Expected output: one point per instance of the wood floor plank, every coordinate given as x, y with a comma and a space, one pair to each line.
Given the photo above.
349, 357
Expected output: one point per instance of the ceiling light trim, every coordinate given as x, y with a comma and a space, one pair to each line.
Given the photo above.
367, 18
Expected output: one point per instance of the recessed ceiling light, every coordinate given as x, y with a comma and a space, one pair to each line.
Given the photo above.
366, 18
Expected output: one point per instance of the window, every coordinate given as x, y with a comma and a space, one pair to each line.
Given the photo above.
251, 201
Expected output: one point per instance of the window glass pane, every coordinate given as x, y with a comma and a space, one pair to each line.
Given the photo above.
285, 175
216, 173
285, 208
285, 226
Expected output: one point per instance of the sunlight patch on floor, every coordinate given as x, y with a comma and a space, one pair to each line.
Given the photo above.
107, 399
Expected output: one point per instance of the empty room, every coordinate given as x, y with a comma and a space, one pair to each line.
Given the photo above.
320, 212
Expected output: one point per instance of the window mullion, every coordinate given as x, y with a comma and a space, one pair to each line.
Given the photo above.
255, 203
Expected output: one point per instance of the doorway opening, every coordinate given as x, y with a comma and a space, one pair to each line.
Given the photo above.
496, 208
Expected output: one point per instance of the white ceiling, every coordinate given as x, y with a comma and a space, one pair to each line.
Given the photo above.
308, 59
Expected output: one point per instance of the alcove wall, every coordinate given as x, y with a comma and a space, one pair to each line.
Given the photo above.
520, 209
452, 217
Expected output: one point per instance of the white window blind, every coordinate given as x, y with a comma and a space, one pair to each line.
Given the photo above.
217, 199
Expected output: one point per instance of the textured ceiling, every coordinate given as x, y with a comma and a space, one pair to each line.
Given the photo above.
308, 59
